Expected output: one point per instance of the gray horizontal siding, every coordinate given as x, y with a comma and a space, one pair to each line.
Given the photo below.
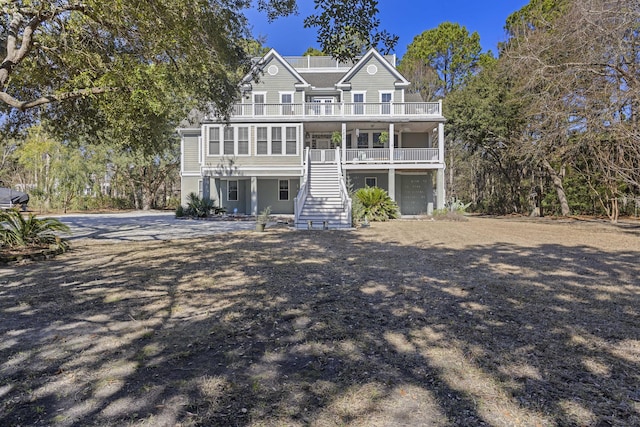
190, 154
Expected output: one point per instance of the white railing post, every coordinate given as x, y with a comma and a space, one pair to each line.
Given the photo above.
298, 202
344, 194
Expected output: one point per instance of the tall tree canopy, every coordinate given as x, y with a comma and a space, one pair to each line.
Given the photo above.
349, 28
450, 50
577, 65
56, 50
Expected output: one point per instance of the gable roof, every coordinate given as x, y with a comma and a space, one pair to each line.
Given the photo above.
272, 54
400, 80
323, 80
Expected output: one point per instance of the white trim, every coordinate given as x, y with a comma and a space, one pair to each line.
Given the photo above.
283, 140
208, 138
273, 70
359, 92
288, 190
289, 105
401, 81
355, 103
236, 144
237, 190
388, 104
256, 104
381, 92
272, 54
236, 140
181, 155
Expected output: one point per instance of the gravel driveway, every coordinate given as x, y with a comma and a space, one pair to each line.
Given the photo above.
145, 225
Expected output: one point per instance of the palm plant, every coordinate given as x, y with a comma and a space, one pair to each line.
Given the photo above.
17, 231
377, 204
197, 207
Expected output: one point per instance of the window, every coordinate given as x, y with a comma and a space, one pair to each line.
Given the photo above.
358, 100
243, 141
349, 141
376, 140
232, 191
370, 181
286, 99
228, 140
363, 140
283, 189
292, 141
258, 104
214, 141
276, 140
385, 99
262, 147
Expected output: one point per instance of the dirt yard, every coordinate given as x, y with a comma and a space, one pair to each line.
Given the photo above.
490, 322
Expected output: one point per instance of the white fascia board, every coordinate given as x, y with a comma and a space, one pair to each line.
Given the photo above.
274, 54
373, 52
182, 131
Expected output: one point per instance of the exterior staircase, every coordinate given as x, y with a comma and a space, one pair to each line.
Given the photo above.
324, 207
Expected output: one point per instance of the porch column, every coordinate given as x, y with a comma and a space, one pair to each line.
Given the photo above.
391, 143
217, 187
440, 189
343, 144
254, 195
441, 142
392, 184
206, 187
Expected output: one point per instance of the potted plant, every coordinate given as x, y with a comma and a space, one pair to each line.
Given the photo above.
384, 138
336, 138
263, 218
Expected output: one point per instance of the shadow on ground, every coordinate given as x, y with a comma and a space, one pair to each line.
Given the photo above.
324, 328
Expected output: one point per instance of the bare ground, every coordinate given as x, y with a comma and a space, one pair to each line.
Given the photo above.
496, 322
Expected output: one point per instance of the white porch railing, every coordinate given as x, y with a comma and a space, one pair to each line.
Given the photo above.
298, 202
383, 155
344, 109
344, 193
322, 156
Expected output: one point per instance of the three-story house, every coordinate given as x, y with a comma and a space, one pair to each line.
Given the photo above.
306, 129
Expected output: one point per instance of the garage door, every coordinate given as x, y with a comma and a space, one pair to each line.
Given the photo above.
414, 194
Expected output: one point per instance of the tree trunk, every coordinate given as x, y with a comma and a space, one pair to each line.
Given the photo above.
557, 183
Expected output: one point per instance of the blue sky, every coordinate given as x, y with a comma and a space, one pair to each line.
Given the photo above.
405, 18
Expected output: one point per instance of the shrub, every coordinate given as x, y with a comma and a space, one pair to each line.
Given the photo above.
357, 211
16, 231
449, 215
455, 205
197, 207
377, 204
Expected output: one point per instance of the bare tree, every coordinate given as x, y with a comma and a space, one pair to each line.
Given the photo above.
579, 72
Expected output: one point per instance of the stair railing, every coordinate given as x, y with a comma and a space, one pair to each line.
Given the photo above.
344, 194
298, 202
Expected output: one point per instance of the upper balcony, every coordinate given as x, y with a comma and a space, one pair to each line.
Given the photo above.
344, 110
303, 63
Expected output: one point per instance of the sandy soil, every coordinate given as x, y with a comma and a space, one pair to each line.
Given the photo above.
496, 322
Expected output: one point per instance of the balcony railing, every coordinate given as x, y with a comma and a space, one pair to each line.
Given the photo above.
345, 109
383, 155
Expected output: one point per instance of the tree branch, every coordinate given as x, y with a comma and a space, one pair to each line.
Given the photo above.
47, 99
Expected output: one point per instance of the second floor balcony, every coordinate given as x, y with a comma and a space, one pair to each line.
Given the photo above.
357, 110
